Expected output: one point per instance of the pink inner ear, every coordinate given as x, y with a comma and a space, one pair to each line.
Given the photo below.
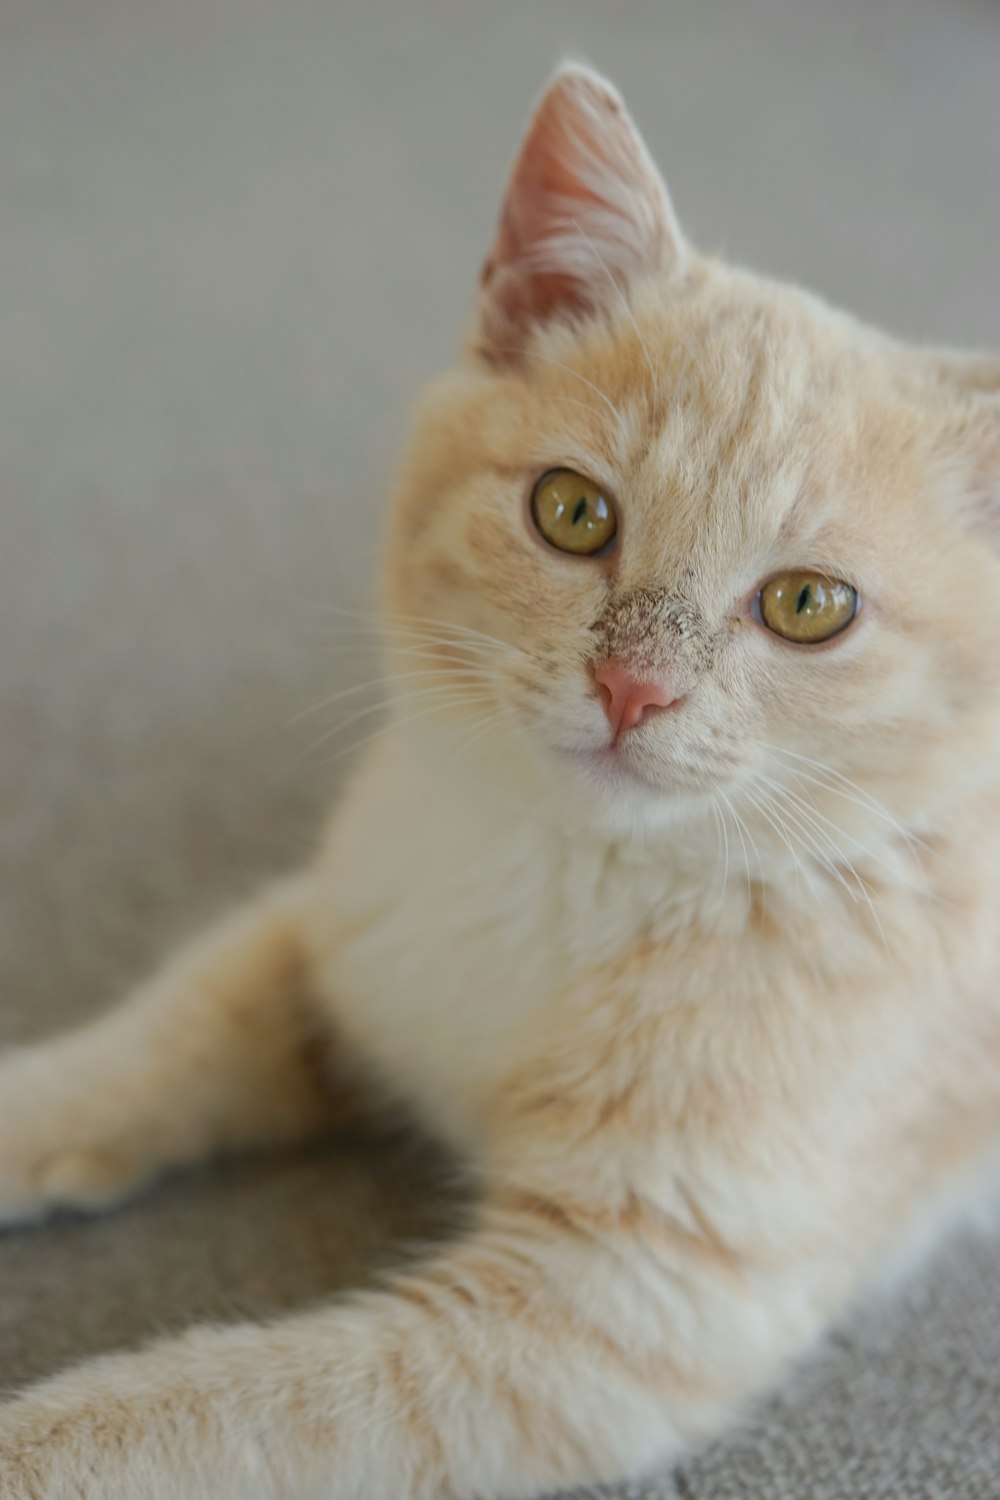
585, 211
546, 187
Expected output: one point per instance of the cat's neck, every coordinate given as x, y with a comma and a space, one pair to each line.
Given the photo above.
692, 865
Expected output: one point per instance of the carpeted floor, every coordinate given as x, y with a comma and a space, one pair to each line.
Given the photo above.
234, 236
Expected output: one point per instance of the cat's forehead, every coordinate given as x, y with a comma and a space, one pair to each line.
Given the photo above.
739, 364
729, 418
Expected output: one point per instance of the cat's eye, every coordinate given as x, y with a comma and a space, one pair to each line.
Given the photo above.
573, 513
806, 607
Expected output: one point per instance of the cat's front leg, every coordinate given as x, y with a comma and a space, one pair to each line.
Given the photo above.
218, 1050
530, 1358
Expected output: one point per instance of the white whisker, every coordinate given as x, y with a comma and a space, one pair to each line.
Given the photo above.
445, 691
481, 728
722, 843
380, 622
463, 674
830, 856
770, 811
836, 831
842, 786
440, 706
739, 830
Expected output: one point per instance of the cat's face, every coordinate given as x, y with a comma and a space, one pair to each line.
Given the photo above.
788, 602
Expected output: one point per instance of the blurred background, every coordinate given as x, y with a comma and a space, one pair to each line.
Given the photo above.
235, 236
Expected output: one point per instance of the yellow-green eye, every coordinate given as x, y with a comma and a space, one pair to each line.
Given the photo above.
806, 607
573, 513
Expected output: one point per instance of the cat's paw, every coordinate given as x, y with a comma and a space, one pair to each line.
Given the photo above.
57, 1145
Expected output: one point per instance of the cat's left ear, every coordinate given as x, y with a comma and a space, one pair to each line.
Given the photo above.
586, 214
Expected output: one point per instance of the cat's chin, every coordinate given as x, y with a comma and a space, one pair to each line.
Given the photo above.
622, 792
612, 767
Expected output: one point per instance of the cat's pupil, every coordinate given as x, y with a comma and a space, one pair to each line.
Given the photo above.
579, 511
803, 600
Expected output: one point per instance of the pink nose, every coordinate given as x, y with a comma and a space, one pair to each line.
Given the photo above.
626, 699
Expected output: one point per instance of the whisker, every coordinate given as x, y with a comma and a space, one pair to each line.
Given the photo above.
446, 644
406, 720
837, 861
842, 786
383, 618
820, 818
446, 691
818, 842
739, 829
418, 652
358, 637
462, 673
722, 842
769, 810
379, 624
481, 728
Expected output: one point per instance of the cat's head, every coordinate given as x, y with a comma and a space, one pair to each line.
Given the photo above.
700, 542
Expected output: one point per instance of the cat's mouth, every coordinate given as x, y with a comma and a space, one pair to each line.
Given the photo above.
667, 766
619, 764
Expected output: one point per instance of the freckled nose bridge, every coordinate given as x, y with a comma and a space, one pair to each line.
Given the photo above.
649, 625
649, 646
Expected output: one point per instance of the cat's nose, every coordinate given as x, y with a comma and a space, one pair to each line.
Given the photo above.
628, 699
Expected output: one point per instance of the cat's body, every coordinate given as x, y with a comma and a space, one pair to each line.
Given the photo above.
712, 1003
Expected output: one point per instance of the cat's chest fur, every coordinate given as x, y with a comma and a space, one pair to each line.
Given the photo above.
451, 923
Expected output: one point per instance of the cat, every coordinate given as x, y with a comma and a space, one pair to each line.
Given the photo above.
668, 894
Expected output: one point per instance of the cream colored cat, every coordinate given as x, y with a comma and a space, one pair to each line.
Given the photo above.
673, 903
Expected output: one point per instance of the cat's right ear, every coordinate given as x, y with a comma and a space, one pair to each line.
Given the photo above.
586, 214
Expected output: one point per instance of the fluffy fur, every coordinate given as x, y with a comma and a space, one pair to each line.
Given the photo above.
715, 1015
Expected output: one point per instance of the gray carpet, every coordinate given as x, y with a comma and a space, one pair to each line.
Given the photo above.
234, 237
